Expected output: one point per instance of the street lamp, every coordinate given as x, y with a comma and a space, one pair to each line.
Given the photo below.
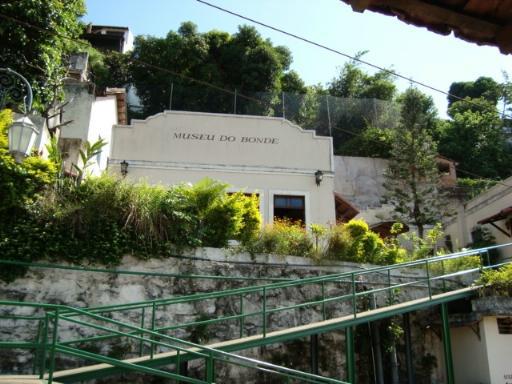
22, 136
22, 132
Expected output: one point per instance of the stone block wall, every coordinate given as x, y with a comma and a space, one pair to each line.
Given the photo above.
87, 289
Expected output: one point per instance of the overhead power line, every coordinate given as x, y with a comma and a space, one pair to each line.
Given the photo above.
338, 52
354, 58
137, 61
238, 94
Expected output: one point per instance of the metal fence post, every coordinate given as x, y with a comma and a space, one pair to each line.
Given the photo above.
153, 317
313, 348
44, 342
328, 115
53, 347
38, 347
354, 303
324, 313
234, 104
141, 345
241, 321
428, 280
264, 312
447, 345
390, 291
170, 96
210, 369
408, 348
350, 355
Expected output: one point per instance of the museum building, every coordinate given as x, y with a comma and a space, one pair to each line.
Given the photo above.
291, 170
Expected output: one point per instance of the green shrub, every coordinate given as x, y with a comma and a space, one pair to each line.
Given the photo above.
216, 216
283, 237
470, 188
496, 282
355, 242
455, 265
103, 218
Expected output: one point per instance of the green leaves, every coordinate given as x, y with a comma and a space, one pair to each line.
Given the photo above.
243, 61
38, 55
496, 282
475, 138
86, 154
104, 218
412, 178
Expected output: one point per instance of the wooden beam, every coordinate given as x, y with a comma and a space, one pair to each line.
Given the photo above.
429, 14
444, 20
501, 230
360, 5
504, 39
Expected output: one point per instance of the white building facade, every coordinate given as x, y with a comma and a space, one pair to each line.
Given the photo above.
491, 209
290, 170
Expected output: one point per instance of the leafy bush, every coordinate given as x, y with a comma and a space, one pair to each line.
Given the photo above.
283, 237
496, 282
355, 242
103, 218
19, 182
454, 265
471, 188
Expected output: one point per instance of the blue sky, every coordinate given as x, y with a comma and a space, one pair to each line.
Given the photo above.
411, 51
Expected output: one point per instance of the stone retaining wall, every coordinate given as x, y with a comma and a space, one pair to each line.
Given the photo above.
86, 289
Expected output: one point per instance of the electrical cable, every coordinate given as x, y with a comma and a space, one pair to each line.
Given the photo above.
133, 60
156, 67
340, 53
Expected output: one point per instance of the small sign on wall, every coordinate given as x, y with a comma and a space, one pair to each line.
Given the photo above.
226, 138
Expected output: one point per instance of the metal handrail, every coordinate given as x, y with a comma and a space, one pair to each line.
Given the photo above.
138, 273
54, 315
286, 284
264, 289
65, 313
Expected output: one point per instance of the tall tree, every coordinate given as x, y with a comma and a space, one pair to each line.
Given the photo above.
483, 87
34, 41
475, 138
353, 82
360, 100
243, 61
411, 180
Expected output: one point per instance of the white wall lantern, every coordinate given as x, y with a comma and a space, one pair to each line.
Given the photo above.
319, 176
22, 136
124, 168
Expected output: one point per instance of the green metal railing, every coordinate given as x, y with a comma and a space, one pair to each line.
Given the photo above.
433, 279
142, 273
48, 345
432, 276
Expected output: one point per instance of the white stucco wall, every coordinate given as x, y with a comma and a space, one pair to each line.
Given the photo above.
103, 116
482, 360
78, 110
485, 205
499, 348
360, 181
92, 117
259, 154
470, 360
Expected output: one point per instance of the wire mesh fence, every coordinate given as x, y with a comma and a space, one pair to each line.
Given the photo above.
338, 117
